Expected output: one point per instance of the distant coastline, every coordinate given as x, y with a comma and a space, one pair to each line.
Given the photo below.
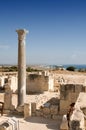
78, 66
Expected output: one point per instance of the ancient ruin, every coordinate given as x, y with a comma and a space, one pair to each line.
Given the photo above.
45, 94
21, 66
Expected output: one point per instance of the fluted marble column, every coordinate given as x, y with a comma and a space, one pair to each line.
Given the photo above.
21, 66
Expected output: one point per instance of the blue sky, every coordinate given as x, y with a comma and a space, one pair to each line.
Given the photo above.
57, 31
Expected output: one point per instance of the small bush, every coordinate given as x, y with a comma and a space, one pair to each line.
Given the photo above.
71, 68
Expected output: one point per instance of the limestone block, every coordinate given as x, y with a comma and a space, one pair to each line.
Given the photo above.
54, 109
10, 124
27, 112
77, 120
65, 89
33, 114
20, 109
64, 105
72, 97
5, 126
36, 83
33, 107
46, 110
84, 110
55, 117
38, 113
6, 111
47, 116
78, 88
62, 112
75, 125
8, 100
85, 88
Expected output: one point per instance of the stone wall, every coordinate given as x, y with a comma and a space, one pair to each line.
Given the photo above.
77, 120
13, 81
48, 110
68, 95
36, 83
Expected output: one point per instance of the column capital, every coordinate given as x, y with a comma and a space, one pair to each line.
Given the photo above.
21, 33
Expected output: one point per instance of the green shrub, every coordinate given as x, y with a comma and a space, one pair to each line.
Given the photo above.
71, 68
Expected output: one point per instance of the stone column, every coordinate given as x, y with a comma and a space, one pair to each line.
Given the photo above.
21, 66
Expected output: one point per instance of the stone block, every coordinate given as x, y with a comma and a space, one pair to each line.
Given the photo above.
33, 107
10, 124
75, 125
72, 97
78, 88
54, 109
47, 116
55, 117
64, 104
46, 110
84, 110
33, 114
38, 113
65, 89
6, 111
27, 111
7, 100
20, 109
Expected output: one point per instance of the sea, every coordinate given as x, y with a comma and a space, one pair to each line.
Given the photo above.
77, 66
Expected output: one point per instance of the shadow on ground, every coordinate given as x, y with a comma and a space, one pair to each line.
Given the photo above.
36, 123
49, 123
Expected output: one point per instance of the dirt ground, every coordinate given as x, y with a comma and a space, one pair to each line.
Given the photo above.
34, 123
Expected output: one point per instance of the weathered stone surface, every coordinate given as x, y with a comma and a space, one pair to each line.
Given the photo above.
27, 111
84, 110
39, 83
8, 98
33, 107
72, 97
75, 125
10, 124
64, 105
47, 116
21, 66
38, 113
46, 111
20, 109
55, 117
54, 109
77, 118
79, 88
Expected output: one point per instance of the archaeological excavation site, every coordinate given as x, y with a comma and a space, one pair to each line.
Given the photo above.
47, 99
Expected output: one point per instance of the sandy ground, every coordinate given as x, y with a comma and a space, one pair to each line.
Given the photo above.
35, 123
39, 123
